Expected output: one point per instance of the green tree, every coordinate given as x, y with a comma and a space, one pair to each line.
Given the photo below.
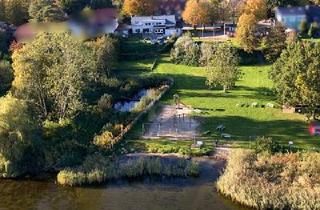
53, 72
19, 137
274, 43
296, 76
223, 69
72, 6
45, 11
105, 50
16, 11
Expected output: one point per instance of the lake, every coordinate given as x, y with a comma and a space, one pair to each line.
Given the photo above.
145, 194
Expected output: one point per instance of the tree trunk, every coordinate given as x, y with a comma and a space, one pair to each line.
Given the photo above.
225, 88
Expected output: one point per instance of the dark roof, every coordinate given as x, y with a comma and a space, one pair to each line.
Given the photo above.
313, 13
291, 10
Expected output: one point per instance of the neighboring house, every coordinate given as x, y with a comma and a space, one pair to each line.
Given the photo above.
155, 25
292, 17
99, 22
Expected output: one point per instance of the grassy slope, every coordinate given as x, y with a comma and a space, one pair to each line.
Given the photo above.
218, 108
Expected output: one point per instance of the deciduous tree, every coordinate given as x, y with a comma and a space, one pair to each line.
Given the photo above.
296, 75
223, 69
139, 7
197, 12
52, 72
246, 32
45, 11
19, 136
258, 8
15, 11
274, 43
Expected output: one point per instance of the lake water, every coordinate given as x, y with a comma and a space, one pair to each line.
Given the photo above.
147, 194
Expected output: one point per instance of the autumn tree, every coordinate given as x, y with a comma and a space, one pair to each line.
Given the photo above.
45, 11
296, 76
245, 35
52, 72
139, 7
258, 8
223, 69
197, 12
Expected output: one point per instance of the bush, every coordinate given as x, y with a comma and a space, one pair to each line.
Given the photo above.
105, 140
185, 51
281, 181
105, 102
266, 144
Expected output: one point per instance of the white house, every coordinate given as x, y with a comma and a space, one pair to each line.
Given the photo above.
157, 25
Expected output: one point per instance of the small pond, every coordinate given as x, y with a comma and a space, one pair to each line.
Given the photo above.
129, 105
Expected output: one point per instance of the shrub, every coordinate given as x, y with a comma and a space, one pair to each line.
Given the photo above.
281, 181
105, 140
266, 144
185, 51
105, 102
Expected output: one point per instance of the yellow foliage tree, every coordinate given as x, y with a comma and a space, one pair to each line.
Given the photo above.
246, 32
139, 7
197, 12
258, 8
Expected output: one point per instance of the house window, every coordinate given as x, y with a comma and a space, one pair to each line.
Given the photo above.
158, 31
137, 30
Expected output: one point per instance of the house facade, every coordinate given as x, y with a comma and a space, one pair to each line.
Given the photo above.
155, 25
292, 17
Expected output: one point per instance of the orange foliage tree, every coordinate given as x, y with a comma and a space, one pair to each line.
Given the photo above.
139, 7
197, 12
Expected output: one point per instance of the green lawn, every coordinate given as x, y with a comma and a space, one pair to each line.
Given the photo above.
219, 108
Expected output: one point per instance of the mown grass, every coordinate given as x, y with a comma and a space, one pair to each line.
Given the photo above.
219, 108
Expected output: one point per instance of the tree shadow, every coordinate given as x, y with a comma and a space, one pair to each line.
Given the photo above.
244, 129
